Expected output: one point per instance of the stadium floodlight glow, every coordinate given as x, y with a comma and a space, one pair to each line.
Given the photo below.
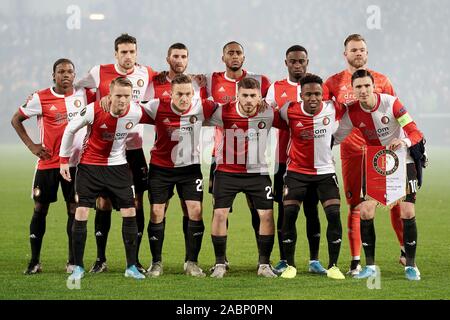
96, 16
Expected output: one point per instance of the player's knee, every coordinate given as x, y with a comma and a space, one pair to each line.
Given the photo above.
408, 212
157, 213
266, 217
82, 213
41, 209
220, 215
128, 212
103, 204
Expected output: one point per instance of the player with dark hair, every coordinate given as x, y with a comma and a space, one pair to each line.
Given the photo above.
339, 87
54, 107
99, 77
383, 121
222, 87
242, 167
279, 93
310, 165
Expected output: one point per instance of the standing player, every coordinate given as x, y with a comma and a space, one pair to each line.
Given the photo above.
103, 168
175, 161
99, 77
280, 92
53, 107
339, 86
241, 167
177, 59
311, 165
383, 121
222, 87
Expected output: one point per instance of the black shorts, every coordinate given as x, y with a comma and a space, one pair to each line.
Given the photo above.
139, 169
46, 183
296, 186
115, 182
411, 184
257, 187
188, 181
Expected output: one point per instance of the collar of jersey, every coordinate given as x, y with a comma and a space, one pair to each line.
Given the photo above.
61, 95
309, 114
177, 112
377, 104
121, 116
122, 73
244, 73
243, 115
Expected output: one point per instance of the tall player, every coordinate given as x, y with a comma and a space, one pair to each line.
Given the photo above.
222, 87
103, 168
339, 86
384, 121
99, 77
310, 165
177, 59
281, 92
241, 167
175, 162
54, 107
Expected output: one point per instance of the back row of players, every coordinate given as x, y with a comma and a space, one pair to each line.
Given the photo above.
305, 171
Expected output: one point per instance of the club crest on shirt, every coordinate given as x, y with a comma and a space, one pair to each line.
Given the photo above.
326, 121
77, 103
261, 125
385, 120
140, 83
129, 125
193, 119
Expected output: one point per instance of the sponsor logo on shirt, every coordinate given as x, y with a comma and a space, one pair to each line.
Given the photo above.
129, 125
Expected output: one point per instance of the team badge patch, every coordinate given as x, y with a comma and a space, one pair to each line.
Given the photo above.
261, 125
36, 192
129, 125
385, 162
385, 120
349, 195
193, 119
77, 103
83, 112
326, 121
140, 83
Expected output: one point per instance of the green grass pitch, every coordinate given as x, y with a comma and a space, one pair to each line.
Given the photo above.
17, 166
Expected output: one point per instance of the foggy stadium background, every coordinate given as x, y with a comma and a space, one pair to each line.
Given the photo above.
410, 46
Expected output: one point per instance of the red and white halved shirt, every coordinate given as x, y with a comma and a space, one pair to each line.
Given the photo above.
309, 147
105, 142
389, 119
177, 133
53, 112
100, 77
243, 141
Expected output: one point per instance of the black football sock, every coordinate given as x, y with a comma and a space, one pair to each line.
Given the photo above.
140, 221
279, 231
70, 219
290, 232
255, 223
220, 248
265, 248
334, 233
186, 240
195, 235
410, 239
129, 236
312, 229
368, 239
37, 231
156, 239
79, 233
102, 227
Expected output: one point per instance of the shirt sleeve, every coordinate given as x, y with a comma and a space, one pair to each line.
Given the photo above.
326, 90
82, 119
208, 108
414, 135
216, 119
388, 88
270, 96
145, 118
32, 107
91, 80
278, 122
344, 128
265, 84
150, 107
